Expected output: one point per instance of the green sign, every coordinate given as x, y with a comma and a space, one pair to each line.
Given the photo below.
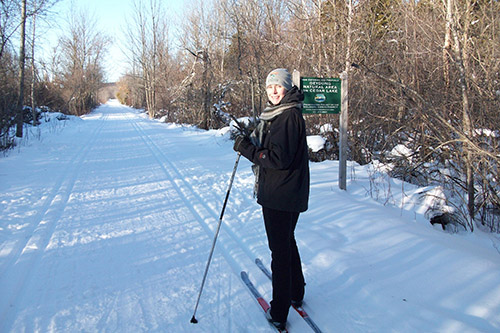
321, 95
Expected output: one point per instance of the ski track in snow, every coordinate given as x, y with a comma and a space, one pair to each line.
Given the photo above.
107, 225
26, 257
83, 183
199, 207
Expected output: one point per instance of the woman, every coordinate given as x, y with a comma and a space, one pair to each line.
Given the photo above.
278, 149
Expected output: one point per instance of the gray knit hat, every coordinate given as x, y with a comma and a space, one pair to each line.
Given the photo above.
280, 76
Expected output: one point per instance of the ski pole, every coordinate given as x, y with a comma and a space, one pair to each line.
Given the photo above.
193, 319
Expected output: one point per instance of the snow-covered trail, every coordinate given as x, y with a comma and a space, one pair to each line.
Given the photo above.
106, 225
115, 233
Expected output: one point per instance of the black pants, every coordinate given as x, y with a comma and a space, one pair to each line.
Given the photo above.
288, 279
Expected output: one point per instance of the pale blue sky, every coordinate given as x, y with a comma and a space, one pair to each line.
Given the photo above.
111, 18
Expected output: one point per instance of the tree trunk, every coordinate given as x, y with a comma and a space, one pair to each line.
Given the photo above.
33, 74
207, 93
461, 55
20, 100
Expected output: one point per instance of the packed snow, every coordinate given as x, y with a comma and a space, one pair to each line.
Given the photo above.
106, 224
316, 143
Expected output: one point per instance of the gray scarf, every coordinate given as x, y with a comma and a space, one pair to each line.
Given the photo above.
272, 111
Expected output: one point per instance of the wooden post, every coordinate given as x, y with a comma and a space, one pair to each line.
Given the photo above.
343, 132
296, 78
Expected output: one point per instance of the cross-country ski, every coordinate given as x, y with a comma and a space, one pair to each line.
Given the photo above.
299, 308
258, 297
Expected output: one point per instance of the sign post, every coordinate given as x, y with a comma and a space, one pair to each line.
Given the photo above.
343, 134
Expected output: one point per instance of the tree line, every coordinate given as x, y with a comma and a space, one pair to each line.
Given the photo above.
423, 74
66, 80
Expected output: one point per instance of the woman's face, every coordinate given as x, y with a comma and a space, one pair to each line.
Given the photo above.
275, 93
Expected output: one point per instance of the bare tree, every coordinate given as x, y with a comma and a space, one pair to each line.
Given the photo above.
38, 9
461, 52
82, 52
22, 56
149, 48
8, 70
199, 37
33, 70
8, 22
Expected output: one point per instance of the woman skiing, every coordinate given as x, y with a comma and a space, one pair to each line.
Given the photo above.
278, 149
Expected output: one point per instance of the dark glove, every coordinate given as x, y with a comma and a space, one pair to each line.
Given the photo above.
241, 130
241, 142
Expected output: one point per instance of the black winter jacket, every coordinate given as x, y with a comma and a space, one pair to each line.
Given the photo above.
283, 160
